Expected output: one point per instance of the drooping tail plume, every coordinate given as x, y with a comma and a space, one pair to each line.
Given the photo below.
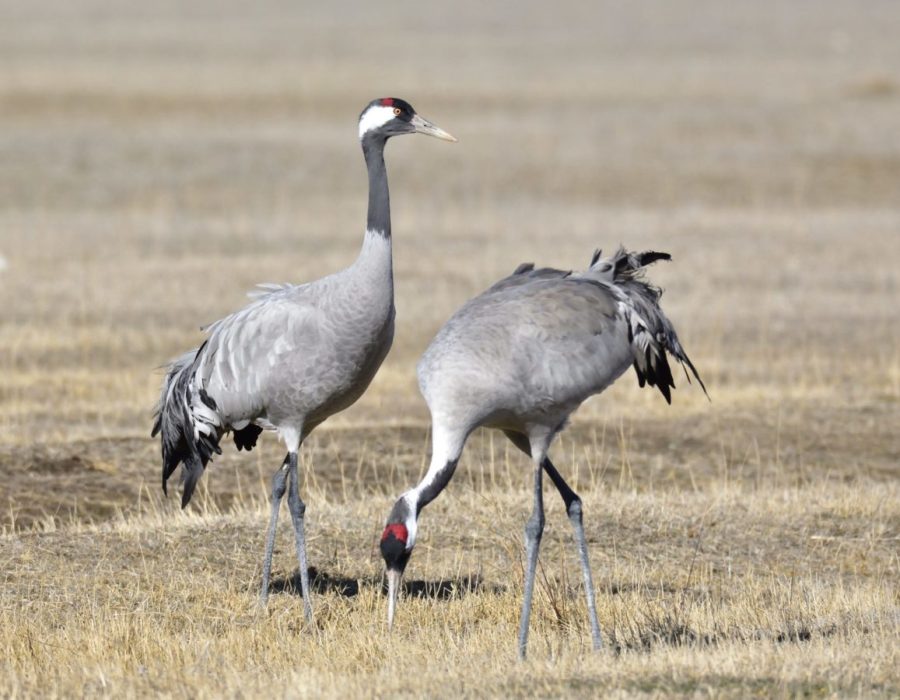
188, 425
651, 333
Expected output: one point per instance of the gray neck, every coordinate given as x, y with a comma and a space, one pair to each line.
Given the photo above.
431, 490
379, 220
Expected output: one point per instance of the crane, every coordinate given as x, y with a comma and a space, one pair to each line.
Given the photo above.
294, 356
521, 357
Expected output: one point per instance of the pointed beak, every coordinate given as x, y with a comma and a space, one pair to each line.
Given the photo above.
423, 126
393, 577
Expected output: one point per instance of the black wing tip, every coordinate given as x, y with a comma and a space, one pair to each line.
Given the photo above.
697, 377
663, 379
191, 470
648, 257
245, 438
666, 392
523, 268
627, 262
686, 365
639, 374
656, 372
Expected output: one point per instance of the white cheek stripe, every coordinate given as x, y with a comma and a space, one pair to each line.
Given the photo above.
412, 525
374, 117
446, 446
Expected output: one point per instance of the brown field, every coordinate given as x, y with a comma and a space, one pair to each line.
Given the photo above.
158, 159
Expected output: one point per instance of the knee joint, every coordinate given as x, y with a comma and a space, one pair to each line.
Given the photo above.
534, 528
574, 509
296, 502
278, 486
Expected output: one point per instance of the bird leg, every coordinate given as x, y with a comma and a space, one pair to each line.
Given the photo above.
573, 509
298, 510
278, 486
534, 528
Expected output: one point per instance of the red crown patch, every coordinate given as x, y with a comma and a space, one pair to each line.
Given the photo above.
398, 530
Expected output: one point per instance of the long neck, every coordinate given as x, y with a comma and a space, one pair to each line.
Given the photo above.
446, 447
379, 219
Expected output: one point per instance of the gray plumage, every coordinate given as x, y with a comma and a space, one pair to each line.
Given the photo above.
521, 357
295, 355
538, 343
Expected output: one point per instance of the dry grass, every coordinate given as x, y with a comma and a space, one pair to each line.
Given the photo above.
777, 591
156, 161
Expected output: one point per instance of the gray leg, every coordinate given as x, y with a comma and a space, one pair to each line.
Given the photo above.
298, 510
573, 509
534, 528
278, 484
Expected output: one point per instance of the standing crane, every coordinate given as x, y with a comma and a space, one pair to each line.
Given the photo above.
294, 356
521, 357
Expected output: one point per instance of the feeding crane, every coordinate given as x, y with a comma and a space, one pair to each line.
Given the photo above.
521, 357
294, 356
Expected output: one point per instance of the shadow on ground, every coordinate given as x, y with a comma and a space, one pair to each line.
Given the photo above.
445, 589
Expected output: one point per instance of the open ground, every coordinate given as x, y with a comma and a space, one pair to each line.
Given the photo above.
157, 160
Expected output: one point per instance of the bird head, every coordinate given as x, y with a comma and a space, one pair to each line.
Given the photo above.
391, 116
397, 542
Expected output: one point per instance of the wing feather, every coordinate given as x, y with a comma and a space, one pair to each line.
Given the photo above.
242, 356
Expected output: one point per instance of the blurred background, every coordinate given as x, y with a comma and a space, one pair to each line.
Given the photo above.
159, 159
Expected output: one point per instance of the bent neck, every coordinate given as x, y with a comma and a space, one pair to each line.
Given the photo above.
379, 217
446, 447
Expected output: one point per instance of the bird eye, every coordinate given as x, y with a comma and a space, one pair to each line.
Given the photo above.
397, 111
